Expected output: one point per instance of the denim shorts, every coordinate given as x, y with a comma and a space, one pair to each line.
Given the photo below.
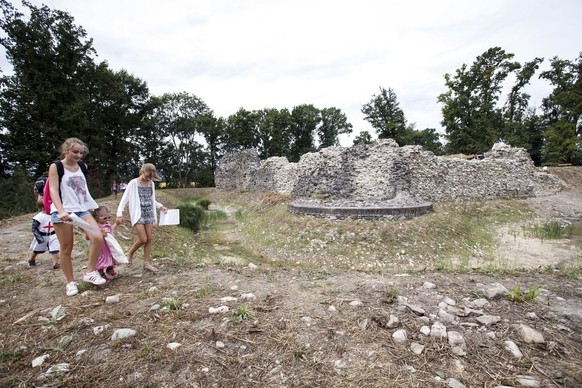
56, 220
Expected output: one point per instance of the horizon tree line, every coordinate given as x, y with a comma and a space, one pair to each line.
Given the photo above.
57, 89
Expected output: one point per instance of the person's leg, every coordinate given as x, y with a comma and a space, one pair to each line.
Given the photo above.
65, 236
147, 249
96, 244
142, 239
55, 260
32, 259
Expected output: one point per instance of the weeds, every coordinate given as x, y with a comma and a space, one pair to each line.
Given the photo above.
174, 303
204, 203
14, 278
241, 314
207, 289
516, 294
552, 230
390, 295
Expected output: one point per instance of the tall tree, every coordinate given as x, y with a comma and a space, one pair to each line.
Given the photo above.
241, 131
333, 123
562, 112
518, 115
117, 104
472, 121
274, 132
428, 138
384, 114
43, 101
213, 132
306, 118
363, 137
181, 117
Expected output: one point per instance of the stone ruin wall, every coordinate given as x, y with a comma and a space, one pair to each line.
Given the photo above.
384, 173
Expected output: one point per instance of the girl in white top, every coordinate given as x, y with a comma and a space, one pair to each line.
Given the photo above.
140, 194
71, 195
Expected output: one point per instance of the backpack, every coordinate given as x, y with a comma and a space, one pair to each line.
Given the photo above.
46, 192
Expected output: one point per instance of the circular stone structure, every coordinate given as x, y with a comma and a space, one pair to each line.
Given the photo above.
360, 210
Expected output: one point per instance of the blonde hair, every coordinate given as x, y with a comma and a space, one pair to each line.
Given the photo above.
150, 169
69, 143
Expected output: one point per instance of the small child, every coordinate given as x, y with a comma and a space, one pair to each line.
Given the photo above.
44, 239
106, 262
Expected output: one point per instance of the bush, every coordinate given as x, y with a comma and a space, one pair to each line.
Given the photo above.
192, 217
204, 203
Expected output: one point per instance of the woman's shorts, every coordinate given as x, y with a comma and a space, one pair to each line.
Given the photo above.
56, 220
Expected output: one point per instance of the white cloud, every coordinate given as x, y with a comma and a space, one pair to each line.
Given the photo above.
262, 53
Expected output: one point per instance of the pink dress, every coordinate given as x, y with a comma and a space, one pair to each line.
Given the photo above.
105, 257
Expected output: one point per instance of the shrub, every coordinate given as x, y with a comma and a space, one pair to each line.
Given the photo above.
192, 217
204, 203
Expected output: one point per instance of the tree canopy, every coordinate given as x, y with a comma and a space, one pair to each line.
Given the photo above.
57, 89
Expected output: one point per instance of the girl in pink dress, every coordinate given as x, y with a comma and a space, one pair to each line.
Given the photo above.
106, 263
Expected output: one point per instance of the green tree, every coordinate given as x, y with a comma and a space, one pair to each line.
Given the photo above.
333, 124
241, 131
363, 137
213, 132
180, 117
472, 121
562, 112
44, 100
384, 114
117, 104
428, 138
274, 132
306, 118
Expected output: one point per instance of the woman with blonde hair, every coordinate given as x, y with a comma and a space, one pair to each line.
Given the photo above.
70, 197
140, 194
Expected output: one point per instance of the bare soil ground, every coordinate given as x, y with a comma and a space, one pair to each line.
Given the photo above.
293, 326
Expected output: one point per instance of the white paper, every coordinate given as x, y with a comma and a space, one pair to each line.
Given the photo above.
171, 217
81, 223
115, 248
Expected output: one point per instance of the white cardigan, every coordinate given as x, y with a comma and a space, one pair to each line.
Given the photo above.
131, 196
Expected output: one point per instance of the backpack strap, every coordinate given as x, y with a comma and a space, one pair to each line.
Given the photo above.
83, 167
61, 169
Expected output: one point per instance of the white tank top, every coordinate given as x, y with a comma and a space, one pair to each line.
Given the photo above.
74, 193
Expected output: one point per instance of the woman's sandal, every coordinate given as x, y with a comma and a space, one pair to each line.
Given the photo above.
129, 259
57, 265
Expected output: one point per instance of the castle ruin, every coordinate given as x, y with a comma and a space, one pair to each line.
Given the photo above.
384, 180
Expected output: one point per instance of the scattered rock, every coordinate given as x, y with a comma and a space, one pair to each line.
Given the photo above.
492, 291
112, 299
173, 345
488, 320
529, 335
400, 336
39, 360
513, 349
123, 333
218, 310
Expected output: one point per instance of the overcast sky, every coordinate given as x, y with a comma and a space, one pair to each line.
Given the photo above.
259, 54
